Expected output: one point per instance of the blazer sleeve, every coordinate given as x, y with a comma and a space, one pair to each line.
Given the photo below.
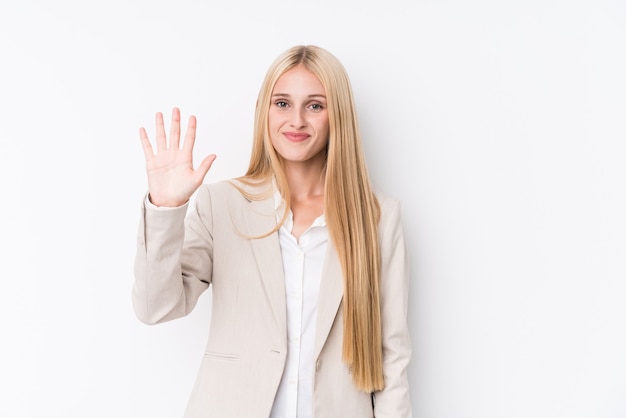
173, 262
394, 400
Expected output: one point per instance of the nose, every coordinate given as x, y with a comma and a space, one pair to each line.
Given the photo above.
298, 119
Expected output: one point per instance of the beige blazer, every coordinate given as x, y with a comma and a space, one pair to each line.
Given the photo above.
180, 254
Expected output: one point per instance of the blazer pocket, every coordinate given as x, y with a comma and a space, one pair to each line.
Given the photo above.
221, 356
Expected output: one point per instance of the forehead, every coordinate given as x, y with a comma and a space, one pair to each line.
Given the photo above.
298, 80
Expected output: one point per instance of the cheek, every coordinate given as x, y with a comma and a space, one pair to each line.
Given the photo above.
325, 128
275, 115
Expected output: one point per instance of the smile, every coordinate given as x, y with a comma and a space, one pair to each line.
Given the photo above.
296, 136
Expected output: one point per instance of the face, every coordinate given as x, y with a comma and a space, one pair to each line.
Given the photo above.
298, 117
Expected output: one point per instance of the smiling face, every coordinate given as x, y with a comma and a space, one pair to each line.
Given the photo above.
298, 117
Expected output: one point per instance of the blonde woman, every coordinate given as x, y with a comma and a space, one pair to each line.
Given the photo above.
307, 262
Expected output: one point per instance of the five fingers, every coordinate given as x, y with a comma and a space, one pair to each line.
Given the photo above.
174, 143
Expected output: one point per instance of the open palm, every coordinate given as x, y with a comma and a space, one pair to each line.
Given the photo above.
171, 176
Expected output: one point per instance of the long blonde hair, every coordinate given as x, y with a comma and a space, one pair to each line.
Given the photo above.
351, 209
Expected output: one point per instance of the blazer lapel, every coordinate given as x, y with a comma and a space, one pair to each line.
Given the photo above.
260, 217
330, 296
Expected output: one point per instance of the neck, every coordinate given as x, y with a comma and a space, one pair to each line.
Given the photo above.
305, 181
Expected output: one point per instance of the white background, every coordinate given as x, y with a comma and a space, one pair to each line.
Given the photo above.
500, 125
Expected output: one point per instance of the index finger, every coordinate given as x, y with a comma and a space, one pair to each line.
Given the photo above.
190, 135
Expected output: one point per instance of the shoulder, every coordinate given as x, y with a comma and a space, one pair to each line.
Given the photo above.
389, 205
216, 188
390, 224
220, 189
232, 192
212, 195
238, 186
208, 191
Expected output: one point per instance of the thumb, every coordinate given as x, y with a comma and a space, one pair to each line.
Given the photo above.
204, 166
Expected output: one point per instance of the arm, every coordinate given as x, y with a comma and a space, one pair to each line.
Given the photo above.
168, 279
394, 400
173, 262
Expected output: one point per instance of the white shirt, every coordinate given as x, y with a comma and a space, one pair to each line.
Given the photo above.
303, 261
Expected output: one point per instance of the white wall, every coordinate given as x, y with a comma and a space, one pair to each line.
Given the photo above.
500, 126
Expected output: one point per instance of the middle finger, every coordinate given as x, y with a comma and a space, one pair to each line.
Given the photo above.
175, 129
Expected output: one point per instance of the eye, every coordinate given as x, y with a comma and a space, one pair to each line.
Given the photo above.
281, 104
316, 107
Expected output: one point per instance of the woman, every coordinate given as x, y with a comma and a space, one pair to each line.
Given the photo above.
307, 263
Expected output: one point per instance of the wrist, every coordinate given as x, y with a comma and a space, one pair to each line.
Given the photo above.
166, 203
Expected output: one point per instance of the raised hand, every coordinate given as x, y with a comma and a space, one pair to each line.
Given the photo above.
171, 176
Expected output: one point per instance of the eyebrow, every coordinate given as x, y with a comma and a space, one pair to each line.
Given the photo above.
312, 96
